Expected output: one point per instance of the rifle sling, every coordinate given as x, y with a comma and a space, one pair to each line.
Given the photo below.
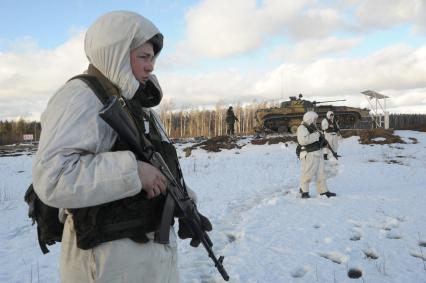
95, 86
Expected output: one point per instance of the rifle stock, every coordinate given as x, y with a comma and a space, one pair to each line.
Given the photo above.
177, 198
121, 122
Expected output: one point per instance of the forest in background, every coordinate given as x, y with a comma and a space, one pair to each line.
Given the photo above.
197, 122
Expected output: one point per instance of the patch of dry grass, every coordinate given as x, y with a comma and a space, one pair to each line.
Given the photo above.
274, 140
370, 136
215, 144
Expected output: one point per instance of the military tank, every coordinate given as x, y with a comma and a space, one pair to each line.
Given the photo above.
289, 115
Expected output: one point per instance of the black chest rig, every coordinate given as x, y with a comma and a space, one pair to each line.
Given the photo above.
332, 126
309, 147
134, 216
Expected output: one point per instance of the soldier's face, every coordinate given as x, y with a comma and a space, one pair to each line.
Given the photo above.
142, 61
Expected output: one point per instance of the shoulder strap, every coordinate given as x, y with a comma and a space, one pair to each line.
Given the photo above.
95, 85
310, 128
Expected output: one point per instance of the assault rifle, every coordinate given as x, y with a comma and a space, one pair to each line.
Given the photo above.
326, 144
115, 114
323, 142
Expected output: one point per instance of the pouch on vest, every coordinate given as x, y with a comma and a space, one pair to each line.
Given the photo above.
49, 228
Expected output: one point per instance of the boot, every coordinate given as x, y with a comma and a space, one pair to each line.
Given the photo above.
328, 194
304, 194
325, 156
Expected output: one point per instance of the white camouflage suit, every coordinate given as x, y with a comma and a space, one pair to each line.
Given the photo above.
332, 138
331, 165
312, 163
74, 167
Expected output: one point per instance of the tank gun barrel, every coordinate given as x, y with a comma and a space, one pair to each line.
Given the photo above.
318, 102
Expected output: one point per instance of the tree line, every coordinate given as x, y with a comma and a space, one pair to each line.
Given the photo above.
12, 132
209, 123
197, 122
407, 121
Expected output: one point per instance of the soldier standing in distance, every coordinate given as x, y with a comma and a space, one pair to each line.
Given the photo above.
230, 121
331, 132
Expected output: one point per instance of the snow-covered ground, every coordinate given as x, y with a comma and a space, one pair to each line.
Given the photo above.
376, 224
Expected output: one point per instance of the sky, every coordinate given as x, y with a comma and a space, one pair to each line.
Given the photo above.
264, 230
227, 52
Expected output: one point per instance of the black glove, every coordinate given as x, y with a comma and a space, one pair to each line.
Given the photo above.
185, 233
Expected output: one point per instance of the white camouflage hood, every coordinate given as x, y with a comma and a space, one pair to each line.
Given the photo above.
310, 117
110, 39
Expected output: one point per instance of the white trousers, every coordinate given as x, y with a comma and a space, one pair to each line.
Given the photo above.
123, 261
333, 140
312, 167
331, 166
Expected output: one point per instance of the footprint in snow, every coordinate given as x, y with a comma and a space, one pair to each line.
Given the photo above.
335, 257
354, 264
356, 234
418, 255
231, 238
371, 253
354, 273
299, 272
392, 223
394, 235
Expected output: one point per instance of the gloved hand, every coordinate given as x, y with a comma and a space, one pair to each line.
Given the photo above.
185, 233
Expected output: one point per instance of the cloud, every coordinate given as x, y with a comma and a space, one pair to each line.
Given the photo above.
397, 67
392, 12
29, 75
316, 23
313, 49
406, 101
224, 28
221, 28
396, 70
205, 89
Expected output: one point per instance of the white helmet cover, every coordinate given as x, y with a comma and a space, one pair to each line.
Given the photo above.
310, 117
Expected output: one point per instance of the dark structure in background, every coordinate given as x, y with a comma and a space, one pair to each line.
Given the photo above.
289, 115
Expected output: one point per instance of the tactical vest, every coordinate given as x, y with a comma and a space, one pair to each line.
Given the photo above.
131, 217
309, 147
332, 126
